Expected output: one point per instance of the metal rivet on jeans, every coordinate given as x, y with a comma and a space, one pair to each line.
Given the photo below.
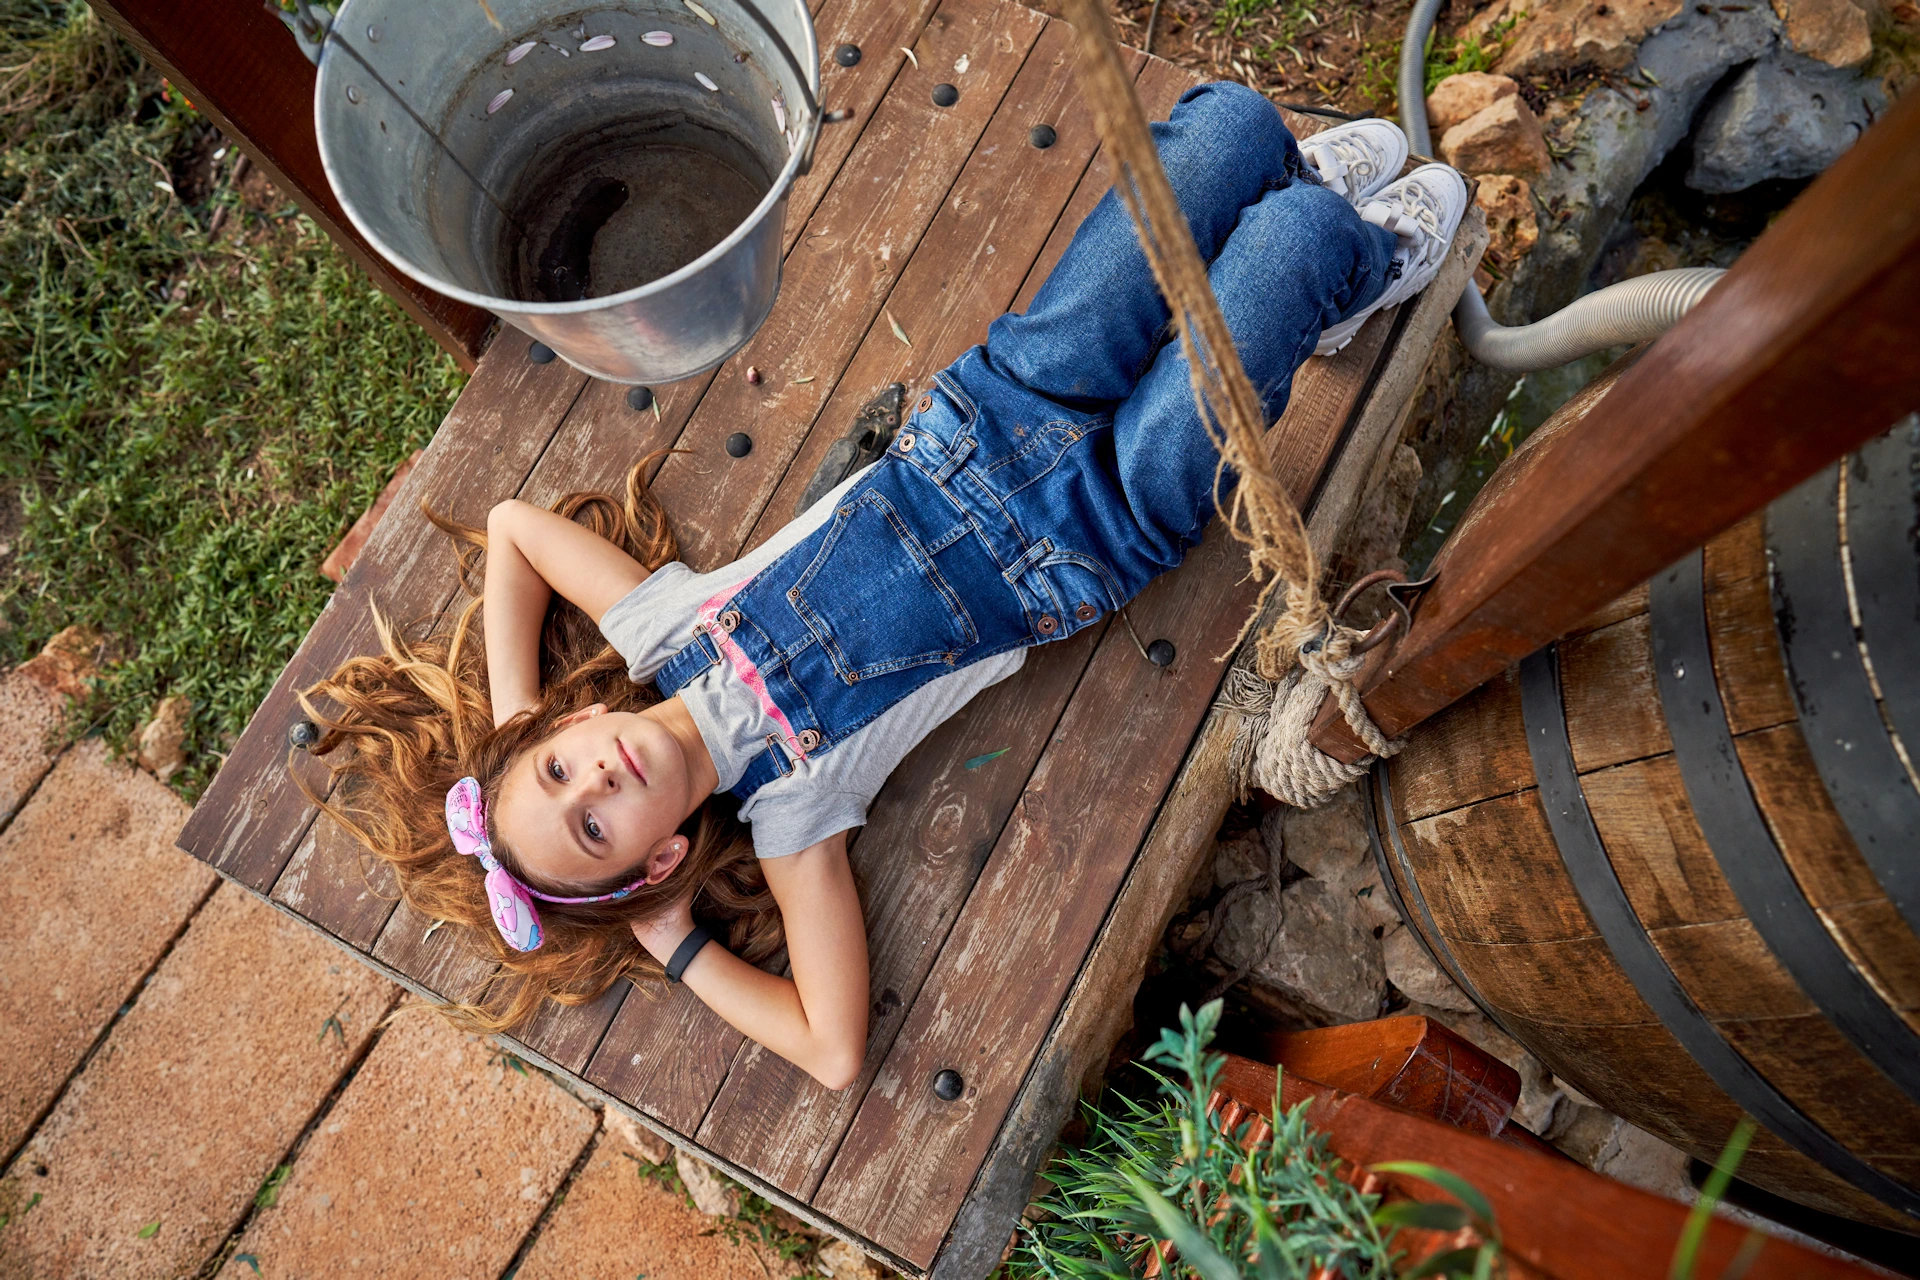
948, 1085
540, 353
739, 444
1085, 612
303, 734
926, 403
945, 95
1042, 136
809, 739
1048, 624
1161, 653
906, 442
639, 399
729, 620
847, 55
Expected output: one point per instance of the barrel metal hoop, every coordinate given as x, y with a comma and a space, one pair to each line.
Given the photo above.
1737, 833
1839, 718
1605, 898
1379, 782
1883, 528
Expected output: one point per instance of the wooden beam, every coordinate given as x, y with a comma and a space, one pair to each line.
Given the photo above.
241, 67
1807, 348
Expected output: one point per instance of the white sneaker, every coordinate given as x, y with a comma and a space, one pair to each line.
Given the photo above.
1423, 210
1358, 158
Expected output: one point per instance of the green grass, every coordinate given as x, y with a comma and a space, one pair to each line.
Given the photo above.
187, 424
1462, 56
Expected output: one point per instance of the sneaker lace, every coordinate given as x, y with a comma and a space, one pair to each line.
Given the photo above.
1408, 209
1349, 155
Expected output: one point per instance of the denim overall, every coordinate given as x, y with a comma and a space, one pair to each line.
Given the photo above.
1051, 473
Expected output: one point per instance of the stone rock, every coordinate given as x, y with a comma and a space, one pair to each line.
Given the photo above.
1785, 117
67, 662
1512, 225
618, 1222
95, 892
713, 1194
1566, 35
1502, 138
1409, 968
196, 1095
1835, 32
162, 746
636, 1137
1641, 1160
1238, 858
1322, 954
843, 1261
1328, 843
1459, 96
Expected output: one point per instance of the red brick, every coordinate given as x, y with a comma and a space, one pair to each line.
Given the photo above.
197, 1094
93, 891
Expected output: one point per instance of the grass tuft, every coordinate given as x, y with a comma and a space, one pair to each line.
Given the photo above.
188, 421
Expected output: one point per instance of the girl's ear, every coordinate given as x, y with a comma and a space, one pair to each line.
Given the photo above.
584, 713
665, 857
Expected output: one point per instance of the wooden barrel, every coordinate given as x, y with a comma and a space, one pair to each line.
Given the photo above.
1677, 855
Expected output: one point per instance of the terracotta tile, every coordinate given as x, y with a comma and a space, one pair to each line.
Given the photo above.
194, 1098
436, 1161
618, 1223
92, 890
31, 713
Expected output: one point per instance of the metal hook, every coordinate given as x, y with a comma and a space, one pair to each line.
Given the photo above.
1401, 594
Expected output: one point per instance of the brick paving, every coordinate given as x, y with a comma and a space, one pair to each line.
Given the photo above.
157, 1149
436, 1161
93, 892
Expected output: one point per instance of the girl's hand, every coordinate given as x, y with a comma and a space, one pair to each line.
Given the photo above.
816, 1019
662, 935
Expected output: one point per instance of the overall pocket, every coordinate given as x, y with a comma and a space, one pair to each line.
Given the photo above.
874, 598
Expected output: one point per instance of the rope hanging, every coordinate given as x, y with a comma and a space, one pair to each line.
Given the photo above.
1290, 674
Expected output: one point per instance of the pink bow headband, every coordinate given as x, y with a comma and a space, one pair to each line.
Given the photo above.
510, 901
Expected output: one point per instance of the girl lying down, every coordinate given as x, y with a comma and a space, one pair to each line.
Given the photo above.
571, 795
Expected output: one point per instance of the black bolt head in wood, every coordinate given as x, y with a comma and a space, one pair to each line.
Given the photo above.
540, 353
739, 444
1042, 136
639, 399
847, 55
303, 734
948, 1086
1160, 653
945, 95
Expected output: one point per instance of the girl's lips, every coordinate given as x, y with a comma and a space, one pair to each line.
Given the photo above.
626, 758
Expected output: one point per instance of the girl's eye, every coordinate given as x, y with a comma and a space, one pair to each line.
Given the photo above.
554, 770
593, 828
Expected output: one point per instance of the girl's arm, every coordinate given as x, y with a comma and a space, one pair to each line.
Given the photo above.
817, 1019
531, 553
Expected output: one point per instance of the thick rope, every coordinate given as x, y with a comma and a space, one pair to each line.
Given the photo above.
1272, 746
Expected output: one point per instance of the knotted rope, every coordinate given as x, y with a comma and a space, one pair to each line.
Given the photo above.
1303, 653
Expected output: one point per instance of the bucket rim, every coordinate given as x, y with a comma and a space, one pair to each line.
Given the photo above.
798, 157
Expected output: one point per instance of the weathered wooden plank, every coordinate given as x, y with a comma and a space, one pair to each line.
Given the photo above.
850, 255
1099, 1006
972, 258
249, 821
1747, 663
334, 883
1656, 847
1483, 879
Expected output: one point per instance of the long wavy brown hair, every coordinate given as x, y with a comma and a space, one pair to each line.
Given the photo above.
399, 728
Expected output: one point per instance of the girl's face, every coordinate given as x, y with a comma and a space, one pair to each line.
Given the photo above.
599, 800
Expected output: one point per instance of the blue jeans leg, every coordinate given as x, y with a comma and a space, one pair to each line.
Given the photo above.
1099, 319
1298, 260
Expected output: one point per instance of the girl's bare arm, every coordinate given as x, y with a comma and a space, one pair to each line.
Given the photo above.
817, 1019
531, 553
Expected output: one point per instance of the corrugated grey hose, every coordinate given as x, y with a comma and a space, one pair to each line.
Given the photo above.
1636, 310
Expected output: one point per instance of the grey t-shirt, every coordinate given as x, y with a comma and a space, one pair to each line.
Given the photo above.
826, 793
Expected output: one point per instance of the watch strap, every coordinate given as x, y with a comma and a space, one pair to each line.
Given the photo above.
689, 948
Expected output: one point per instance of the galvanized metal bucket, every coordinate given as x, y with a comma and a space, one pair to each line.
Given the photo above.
610, 179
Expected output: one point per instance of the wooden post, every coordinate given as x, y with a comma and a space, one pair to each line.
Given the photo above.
239, 65
1807, 348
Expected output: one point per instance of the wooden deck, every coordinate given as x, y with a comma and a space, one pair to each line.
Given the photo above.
1011, 907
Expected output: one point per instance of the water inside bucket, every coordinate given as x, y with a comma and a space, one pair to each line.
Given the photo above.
624, 206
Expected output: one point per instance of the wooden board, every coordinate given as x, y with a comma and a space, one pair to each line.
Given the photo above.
994, 895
